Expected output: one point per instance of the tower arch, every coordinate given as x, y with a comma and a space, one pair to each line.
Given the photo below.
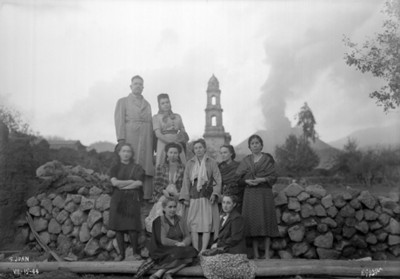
214, 134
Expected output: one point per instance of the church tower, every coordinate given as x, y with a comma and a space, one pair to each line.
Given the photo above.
214, 135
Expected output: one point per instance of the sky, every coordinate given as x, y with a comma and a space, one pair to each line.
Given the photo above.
64, 64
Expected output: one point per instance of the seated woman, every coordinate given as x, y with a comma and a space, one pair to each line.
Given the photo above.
231, 232
167, 182
127, 179
227, 257
170, 242
168, 127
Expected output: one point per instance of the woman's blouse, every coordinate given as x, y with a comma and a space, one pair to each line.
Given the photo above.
163, 178
264, 168
168, 123
173, 233
129, 171
189, 192
230, 179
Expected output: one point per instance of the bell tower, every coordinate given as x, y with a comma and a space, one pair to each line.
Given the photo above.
214, 134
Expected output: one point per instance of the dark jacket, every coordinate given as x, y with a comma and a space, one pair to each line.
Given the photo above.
231, 234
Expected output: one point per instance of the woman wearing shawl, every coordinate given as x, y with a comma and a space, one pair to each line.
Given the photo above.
167, 182
127, 178
168, 127
228, 168
202, 188
257, 173
170, 247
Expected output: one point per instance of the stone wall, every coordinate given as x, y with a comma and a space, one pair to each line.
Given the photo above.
350, 224
313, 224
72, 217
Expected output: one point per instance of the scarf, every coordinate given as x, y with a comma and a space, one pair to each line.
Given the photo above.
224, 217
199, 171
166, 115
228, 172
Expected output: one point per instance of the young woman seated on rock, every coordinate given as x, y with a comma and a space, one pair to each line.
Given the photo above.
227, 257
170, 245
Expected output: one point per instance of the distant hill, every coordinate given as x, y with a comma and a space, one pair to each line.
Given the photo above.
273, 138
372, 137
102, 146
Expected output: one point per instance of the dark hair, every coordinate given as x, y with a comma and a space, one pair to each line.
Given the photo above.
201, 141
119, 147
173, 145
234, 198
162, 96
165, 201
137, 76
255, 137
170, 145
231, 150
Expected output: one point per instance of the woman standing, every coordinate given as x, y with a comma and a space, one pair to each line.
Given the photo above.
127, 178
170, 242
228, 168
257, 173
167, 182
168, 127
227, 257
202, 188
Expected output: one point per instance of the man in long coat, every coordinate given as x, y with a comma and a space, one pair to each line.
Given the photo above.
133, 124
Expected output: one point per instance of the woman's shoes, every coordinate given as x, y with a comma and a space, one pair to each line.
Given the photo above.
119, 258
137, 257
153, 276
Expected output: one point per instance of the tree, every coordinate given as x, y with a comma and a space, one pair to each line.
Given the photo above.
380, 56
307, 121
295, 157
14, 121
368, 166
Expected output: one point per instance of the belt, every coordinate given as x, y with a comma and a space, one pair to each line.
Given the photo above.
137, 121
174, 132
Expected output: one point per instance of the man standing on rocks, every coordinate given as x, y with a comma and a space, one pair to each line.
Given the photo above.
133, 124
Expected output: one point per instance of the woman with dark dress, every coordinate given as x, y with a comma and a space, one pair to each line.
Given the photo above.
227, 257
257, 173
228, 168
170, 245
127, 178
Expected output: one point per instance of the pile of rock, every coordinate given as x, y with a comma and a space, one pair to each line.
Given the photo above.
72, 218
58, 178
75, 224
349, 224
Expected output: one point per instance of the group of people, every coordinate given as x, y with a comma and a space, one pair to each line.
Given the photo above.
201, 207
